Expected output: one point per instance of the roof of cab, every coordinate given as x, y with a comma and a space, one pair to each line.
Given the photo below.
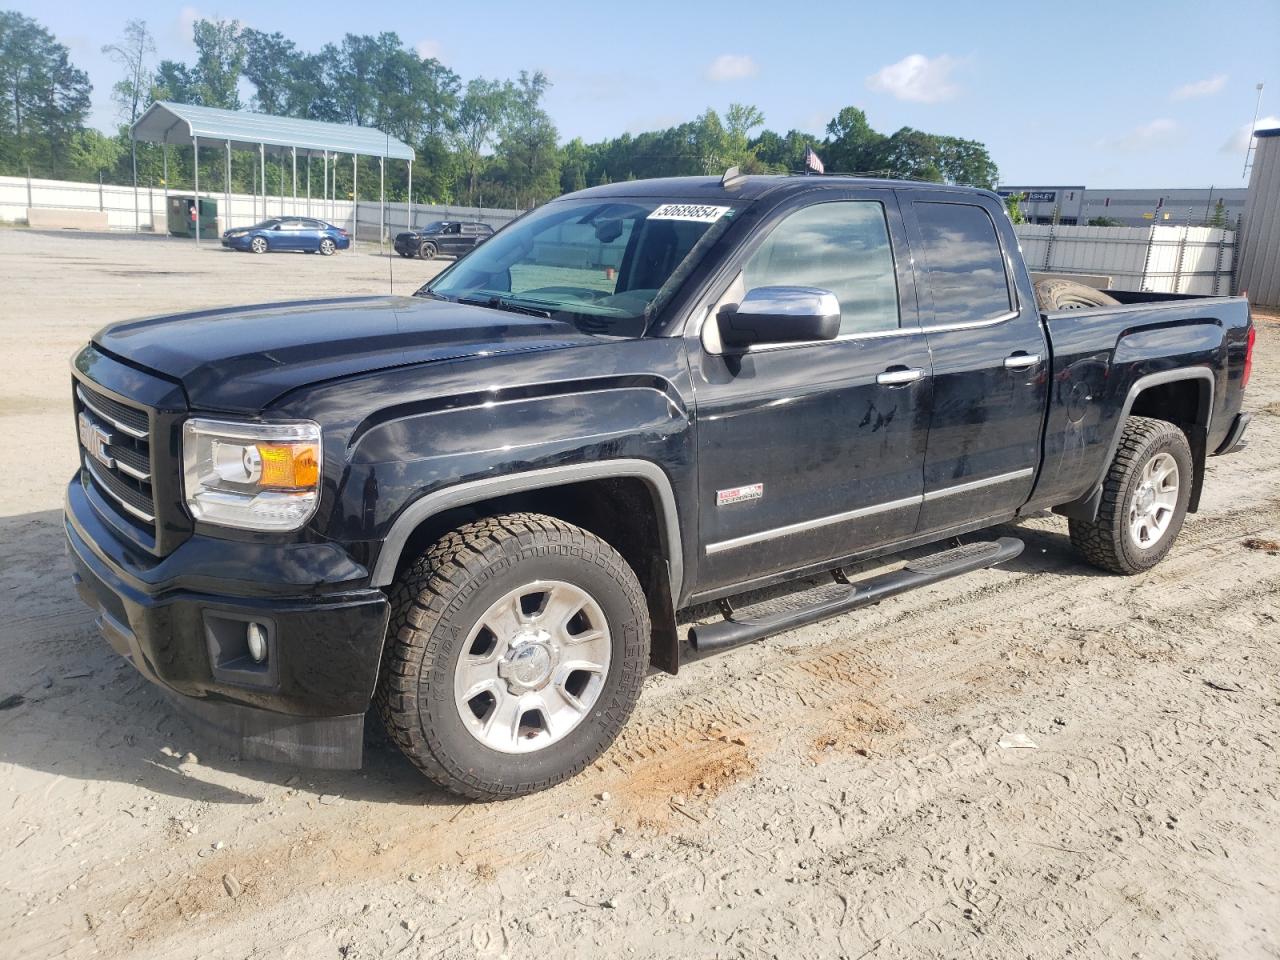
709, 189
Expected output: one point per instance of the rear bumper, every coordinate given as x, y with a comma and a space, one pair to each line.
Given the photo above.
185, 631
1235, 436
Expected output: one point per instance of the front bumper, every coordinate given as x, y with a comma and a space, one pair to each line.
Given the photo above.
181, 621
236, 243
406, 244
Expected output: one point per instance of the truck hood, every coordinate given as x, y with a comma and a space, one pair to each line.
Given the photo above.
241, 359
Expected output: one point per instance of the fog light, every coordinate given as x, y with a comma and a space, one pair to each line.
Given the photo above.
256, 634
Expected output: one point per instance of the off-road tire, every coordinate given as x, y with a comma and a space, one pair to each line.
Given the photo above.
427, 250
1107, 543
1068, 295
436, 602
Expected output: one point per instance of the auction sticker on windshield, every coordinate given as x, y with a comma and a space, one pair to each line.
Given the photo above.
698, 212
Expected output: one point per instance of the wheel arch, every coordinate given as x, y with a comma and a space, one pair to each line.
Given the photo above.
1183, 397
629, 503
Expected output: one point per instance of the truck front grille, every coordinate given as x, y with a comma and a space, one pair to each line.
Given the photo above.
115, 448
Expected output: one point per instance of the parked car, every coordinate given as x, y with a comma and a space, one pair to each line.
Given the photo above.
449, 238
288, 233
481, 507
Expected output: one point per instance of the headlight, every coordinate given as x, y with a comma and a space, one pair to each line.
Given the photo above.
256, 476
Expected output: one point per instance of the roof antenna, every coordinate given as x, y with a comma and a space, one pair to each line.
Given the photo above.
731, 178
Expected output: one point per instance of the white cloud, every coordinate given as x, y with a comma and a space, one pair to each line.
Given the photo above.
1145, 136
1238, 142
917, 77
1201, 88
428, 49
732, 66
184, 27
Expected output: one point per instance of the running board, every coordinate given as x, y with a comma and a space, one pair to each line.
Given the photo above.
766, 619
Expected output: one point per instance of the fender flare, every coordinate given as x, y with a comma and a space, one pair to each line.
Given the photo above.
473, 491
1086, 507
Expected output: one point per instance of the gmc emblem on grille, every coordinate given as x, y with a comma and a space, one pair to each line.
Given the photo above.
95, 440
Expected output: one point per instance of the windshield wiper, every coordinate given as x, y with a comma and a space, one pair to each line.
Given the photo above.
501, 303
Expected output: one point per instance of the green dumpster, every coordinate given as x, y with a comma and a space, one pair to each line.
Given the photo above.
182, 217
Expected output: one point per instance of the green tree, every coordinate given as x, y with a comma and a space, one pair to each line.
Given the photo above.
527, 147
133, 53
270, 64
173, 82
1105, 222
44, 98
1013, 204
220, 55
481, 111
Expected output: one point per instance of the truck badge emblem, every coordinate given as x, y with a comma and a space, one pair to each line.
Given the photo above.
751, 491
95, 440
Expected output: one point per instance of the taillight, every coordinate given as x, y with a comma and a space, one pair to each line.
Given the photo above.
1248, 357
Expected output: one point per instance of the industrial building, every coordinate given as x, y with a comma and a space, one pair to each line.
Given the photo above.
1077, 205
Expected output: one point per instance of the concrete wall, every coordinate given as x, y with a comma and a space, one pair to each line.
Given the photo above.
1260, 228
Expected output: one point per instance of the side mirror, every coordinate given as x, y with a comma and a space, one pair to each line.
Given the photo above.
781, 315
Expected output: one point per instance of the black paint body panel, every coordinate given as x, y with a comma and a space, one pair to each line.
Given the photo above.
416, 395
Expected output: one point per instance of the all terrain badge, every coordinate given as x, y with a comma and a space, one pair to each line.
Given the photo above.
752, 491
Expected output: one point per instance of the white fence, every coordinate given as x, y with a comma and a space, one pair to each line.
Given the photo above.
18, 194
1195, 260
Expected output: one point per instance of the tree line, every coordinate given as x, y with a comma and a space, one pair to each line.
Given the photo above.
484, 142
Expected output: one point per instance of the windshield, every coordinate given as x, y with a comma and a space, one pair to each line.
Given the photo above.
607, 266
435, 226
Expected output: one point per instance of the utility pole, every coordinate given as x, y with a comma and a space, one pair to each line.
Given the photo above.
1248, 151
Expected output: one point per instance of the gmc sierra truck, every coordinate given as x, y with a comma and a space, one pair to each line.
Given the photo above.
481, 508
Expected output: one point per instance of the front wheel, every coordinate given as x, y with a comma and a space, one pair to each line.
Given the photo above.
1144, 499
427, 250
327, 247
516, 652
258, 244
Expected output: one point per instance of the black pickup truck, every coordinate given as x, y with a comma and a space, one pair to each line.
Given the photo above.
481, 507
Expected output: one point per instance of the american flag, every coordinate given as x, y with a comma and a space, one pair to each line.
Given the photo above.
812, 161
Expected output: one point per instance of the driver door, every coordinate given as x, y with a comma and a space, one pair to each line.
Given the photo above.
810, 452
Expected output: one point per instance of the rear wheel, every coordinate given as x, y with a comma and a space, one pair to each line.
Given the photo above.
258, 244
1144, 500
427, 250
1054, 294
327, 246
516, 651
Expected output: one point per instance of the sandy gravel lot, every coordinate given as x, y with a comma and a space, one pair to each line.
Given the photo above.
839, 790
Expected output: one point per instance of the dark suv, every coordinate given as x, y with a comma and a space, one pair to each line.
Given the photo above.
452, 238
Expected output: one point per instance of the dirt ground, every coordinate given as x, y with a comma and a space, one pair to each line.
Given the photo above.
845, 790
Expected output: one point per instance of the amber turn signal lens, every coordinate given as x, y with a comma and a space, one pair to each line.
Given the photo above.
289, 465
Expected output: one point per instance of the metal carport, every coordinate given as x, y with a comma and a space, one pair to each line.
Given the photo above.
182, 124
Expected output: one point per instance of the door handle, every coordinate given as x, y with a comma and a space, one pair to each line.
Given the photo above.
896, 378
1020, 361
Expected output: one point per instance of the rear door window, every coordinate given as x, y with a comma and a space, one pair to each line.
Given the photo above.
963, 263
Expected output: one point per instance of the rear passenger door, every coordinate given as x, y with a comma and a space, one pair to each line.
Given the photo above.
990, 361
451, 241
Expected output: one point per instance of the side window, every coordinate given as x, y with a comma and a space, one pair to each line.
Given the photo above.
963, 262
841, 246
453, 228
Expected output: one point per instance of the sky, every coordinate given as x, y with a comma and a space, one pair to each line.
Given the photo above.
1117, 94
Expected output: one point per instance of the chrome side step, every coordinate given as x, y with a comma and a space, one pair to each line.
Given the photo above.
764, 620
